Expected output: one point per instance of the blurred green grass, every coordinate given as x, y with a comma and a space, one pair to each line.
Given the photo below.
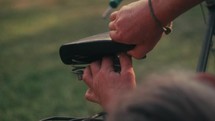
34, 83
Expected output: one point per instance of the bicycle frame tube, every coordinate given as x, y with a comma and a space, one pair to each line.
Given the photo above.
207, 43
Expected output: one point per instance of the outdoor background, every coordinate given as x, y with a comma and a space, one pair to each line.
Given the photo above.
35, 84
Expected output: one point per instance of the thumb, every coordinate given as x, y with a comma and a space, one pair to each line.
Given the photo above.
139, 51
91, 96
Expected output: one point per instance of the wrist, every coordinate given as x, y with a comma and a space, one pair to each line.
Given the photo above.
166, 29
108, 104
167, 10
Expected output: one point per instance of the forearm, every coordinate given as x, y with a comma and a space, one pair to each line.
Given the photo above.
168, 10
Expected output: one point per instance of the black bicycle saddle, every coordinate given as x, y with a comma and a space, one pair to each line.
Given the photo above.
84, 51
90, 49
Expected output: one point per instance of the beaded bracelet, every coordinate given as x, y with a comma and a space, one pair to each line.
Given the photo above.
167, 29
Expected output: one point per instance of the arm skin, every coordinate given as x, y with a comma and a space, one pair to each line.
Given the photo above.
105, 85
133, 23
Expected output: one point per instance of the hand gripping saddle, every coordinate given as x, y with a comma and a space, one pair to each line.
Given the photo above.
80, 53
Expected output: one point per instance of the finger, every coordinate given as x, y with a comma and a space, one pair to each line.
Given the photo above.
107, 64
90, 96
95, 67
139, 51
112, 25
114, 35
113, 15
87, 77
125, 61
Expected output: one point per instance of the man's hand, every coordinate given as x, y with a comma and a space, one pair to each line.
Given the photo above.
133, 24
106, 85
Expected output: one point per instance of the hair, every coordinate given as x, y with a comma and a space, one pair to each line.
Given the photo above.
170, 97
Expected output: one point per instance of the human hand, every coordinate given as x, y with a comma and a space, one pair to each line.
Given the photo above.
133, 24
106, 85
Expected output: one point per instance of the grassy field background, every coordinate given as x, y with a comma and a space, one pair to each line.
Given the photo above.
34, 83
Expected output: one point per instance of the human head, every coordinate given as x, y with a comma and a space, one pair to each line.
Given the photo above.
171, 97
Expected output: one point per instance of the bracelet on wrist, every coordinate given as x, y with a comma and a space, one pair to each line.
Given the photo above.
167, 29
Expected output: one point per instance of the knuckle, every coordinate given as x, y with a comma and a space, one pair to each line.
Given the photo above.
102, 72
85, 76
125, 7
129, 73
